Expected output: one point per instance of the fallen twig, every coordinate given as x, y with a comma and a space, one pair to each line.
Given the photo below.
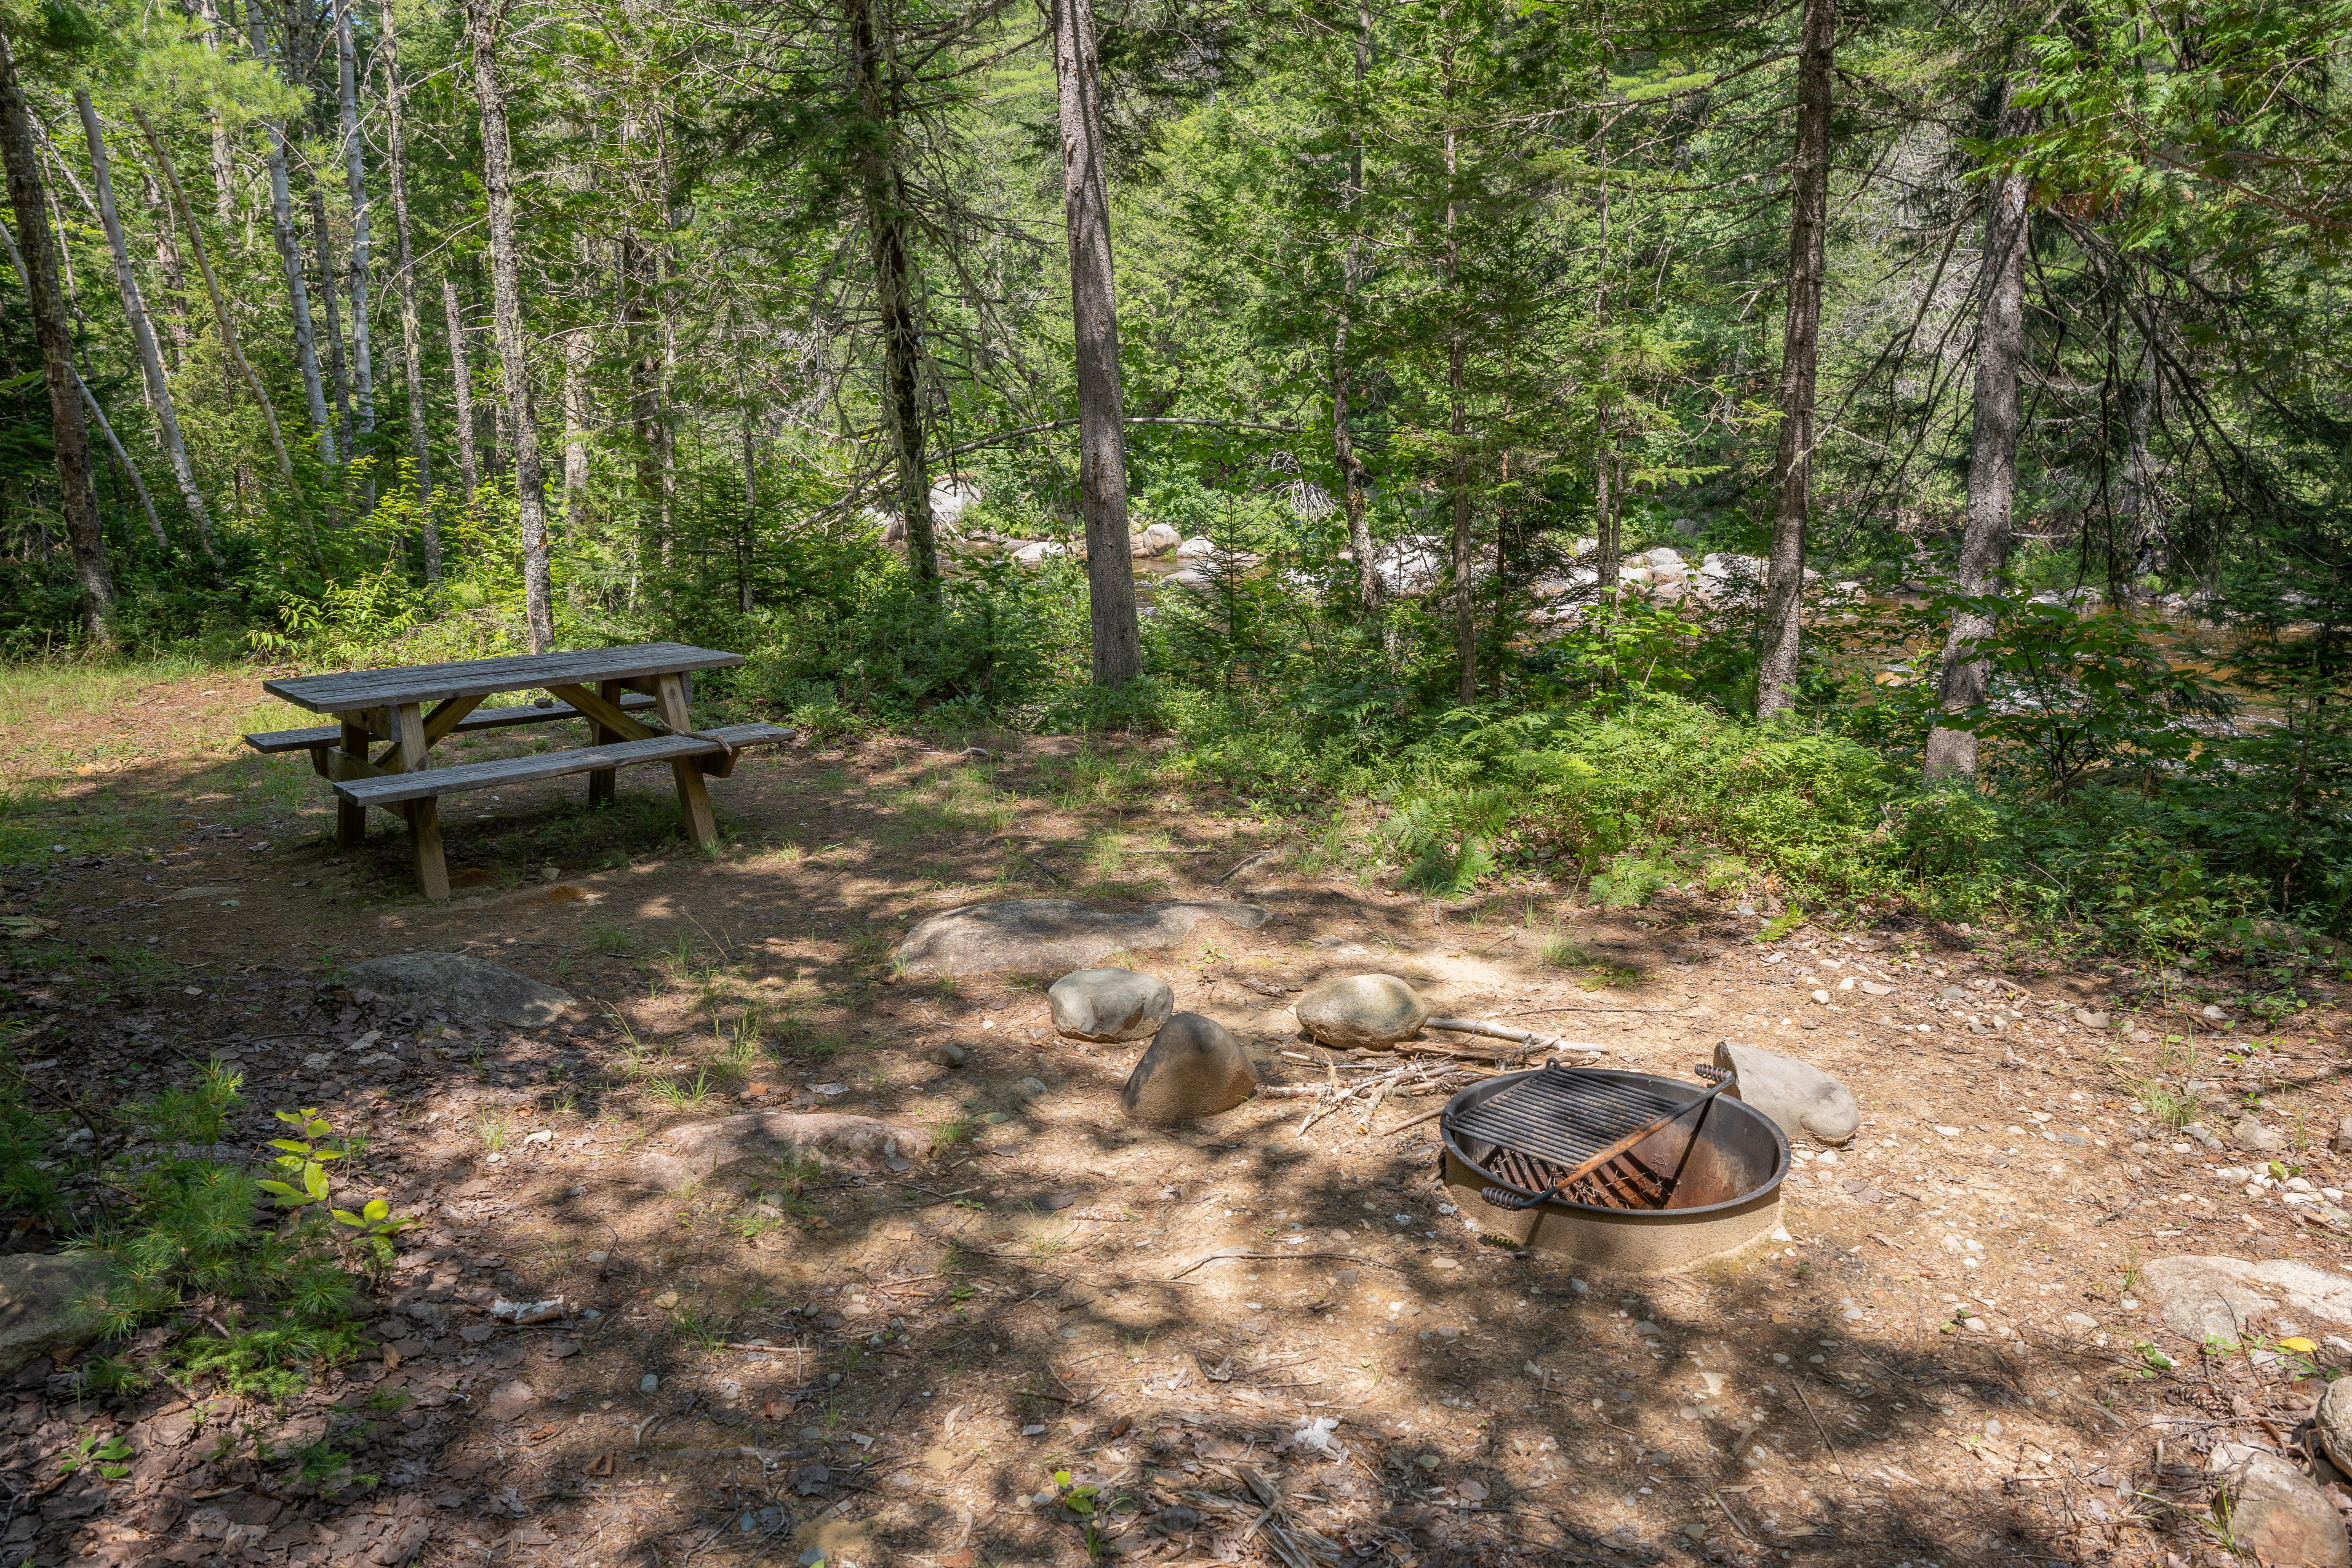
1220, 1256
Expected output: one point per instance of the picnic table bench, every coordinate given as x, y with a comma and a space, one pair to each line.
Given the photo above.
616, 690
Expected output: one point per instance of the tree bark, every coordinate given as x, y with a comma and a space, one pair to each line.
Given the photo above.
122, 460
751, 516
1792, 466
887, 213
484, 19
1457, 424
37, 266
412, 336
1351, 272
220, 313
322, 241
1961, 678
644, 400
462, 385
355, 171
167, 260
143, 331
290, 254
577, 350
224, 164
1093, 316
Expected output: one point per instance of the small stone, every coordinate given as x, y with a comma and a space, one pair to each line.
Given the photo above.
2090, 1019
2274, 1513
649, 1383
1361, 1010
1194, 1067
666, 1300
1820, 997
951, 1056
1029, 1087
2333, 1421
1803, 1099
2342, 1142
2251, 1134
1110, 1005
2083, 1320
1873, 988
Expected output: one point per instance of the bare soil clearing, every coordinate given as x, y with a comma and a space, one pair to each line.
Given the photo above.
1946, 1363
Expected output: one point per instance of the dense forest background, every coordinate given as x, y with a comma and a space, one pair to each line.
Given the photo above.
1837, 451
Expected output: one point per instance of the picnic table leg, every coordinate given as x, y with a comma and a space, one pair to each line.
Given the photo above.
693, 799
423, 816
600, 783
350, 821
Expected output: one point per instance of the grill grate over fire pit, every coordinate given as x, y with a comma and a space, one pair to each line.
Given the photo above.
1615, 1166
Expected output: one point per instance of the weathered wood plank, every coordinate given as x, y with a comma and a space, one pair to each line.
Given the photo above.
609, 717
693, 798
519, 770
269, 742
484, 676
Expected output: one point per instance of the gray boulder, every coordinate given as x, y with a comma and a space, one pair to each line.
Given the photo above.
2227, 1299
2333, 1421
683, 1155
2274, 1513
1110, 1005
457, 983
1803, 1099
1193, 1067
1052, 936
1361, 1010
40, 1303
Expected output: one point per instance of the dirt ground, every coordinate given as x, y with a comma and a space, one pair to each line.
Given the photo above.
1014, 1352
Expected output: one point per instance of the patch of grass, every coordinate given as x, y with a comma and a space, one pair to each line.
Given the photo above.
1631, 878
952, 1133
678, 1094
1561, 950
493, 1129
613, 940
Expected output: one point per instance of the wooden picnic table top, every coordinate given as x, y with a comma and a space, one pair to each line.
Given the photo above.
357, 689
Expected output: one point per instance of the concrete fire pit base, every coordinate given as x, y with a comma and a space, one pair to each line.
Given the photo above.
1660, 1242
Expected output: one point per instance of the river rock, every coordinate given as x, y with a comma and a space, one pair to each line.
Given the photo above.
1361, 1010
2227, 1299
1194, 1066
1052, 936
1803, 1099
698, 1150
1110, 1005
40, 1303
1195, 548
1157, 539
2275, 1514
2250, 1134
2333, 1421
458, 983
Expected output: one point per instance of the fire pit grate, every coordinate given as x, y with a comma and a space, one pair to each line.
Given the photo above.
1593, 1135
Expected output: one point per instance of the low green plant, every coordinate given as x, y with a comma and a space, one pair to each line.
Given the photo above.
106, 1453
196, 1114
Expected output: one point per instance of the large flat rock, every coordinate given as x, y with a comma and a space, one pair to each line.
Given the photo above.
697, 1150
2229, 1298
1052, 936
40, 1303
460, 984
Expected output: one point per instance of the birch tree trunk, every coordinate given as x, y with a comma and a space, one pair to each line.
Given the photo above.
462, 382
1792, 466
577, 351
220, 312
322, 241
289, 253
484, 19
355, 171
1351, 272
1960, 680
1093, 316
1457, 354
37, 266
412, 336
143, 331
886, 217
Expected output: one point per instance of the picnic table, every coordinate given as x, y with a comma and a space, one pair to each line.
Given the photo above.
414, 708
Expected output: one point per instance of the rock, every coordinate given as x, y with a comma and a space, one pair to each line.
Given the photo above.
509, 1401
2226, 1297
2090, 1019
40, 1303
1193, 1067
1110, 1005
951, 1056
951, 500
1051, 936
2333, 1421
692, 1152
2342, 1143
459, 983
1361, 1010
2275, 1514
1798, 1095
1193, 548
2251, 1134
1160, 538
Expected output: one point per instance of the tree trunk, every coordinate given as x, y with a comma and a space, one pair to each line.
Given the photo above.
1605, 543
355, 171
412, 336
224, 164
328, 294
645, 399
167, 260
483, 19
143, 331
221, 317
1351, 272
1793, 466
290, 254
462, 384
2142, 522
1094, 315
1992, 453
887, 214
751, 517
122, 460
577, 350
37, 267
1457, 424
